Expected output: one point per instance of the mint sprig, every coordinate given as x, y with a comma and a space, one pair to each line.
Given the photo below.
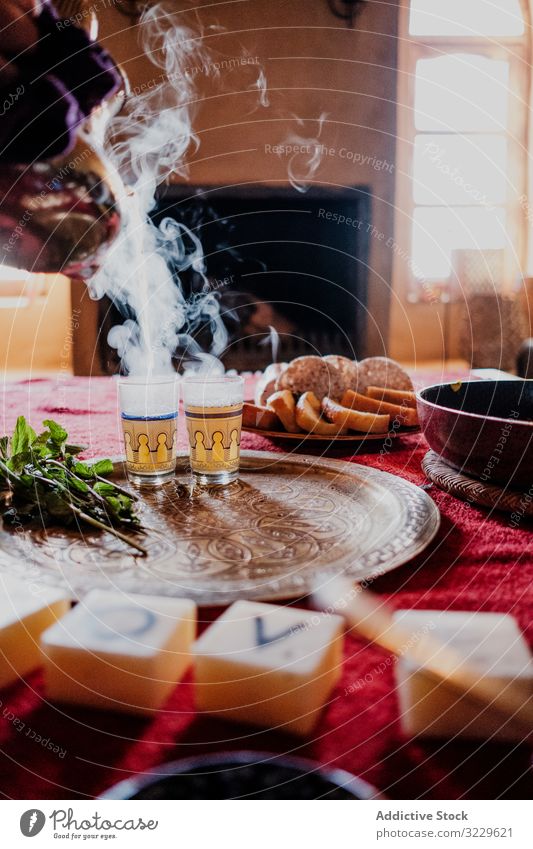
42, 478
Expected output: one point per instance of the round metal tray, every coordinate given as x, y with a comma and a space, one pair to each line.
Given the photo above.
264, 537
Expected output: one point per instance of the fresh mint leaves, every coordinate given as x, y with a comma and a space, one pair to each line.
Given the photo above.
42, 478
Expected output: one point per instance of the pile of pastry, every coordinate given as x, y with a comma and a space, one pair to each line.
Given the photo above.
330, 396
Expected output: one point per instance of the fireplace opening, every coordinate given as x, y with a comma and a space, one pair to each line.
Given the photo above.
289, 270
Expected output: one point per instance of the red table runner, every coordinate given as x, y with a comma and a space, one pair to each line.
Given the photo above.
477, 562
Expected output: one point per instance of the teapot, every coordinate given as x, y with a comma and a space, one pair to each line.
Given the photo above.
59, 215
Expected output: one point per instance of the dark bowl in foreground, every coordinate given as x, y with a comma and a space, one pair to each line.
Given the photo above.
242, 775
483, 428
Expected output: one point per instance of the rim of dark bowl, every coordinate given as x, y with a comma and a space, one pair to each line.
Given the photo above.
463, 412
338, 778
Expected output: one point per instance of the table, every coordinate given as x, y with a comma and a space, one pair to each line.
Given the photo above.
477, 562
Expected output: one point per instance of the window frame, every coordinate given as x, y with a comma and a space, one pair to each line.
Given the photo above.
515, 50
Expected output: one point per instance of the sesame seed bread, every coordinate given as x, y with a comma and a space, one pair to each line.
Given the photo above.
312, 374
381, 371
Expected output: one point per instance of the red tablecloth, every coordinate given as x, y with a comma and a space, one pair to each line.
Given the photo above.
477, 562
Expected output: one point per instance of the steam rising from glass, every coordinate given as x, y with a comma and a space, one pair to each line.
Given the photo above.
145, 145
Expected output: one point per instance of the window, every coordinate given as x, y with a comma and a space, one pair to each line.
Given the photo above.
462, 137
470, 18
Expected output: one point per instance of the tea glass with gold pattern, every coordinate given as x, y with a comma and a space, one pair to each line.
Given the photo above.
213, 415
149, 414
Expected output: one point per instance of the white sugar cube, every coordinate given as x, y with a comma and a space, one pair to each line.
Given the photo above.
121, 652
269, 665
491, 644
26, 610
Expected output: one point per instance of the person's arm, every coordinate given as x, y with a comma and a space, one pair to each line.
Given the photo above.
19, 35
51, 77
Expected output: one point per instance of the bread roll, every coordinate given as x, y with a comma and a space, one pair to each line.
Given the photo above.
393, 396
284, 406
381, 371
311, 374
309, 418
406, 415
259, 417
347, 369
266, 384
362, 422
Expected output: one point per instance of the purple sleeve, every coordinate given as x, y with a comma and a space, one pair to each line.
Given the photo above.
58, 86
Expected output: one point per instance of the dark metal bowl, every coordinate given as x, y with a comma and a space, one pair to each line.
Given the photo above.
243, 775
483, 428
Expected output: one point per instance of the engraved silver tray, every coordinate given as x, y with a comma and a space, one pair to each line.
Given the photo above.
264, 537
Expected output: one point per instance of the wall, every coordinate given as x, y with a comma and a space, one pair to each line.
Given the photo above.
314, 64
37, 338
424, 331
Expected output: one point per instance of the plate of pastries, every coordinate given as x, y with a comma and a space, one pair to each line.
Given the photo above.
333, 398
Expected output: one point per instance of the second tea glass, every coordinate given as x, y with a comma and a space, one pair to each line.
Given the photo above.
213, 414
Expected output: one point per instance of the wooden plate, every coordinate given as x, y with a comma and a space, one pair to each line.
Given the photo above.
264, 537
317, 437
